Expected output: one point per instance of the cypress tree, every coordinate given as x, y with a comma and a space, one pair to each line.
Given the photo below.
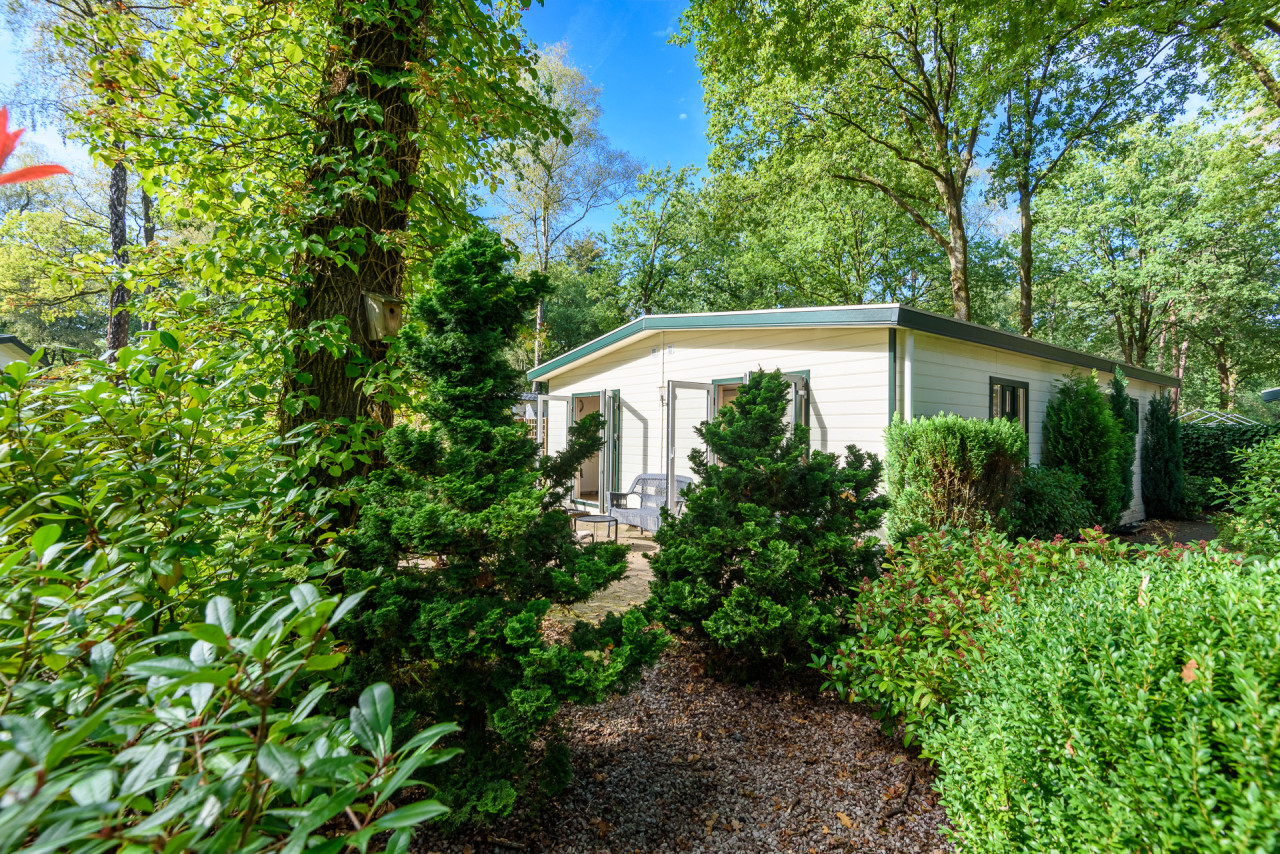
1125, 410
465, 548
1082, 434
1162, 475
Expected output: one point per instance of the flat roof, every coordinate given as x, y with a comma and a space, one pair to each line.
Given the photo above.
887, 315
16, 342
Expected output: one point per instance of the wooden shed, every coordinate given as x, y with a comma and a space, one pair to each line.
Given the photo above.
851, 368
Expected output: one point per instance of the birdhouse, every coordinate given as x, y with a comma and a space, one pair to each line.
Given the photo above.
384, 314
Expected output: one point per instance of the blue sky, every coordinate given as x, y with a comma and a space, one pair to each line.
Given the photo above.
650, 91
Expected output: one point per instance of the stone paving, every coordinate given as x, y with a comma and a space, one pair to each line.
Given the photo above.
631, 589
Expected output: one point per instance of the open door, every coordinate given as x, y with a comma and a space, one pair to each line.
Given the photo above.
688, 405
798, 411
553, 420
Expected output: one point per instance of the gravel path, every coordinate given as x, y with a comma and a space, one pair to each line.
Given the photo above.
683, 763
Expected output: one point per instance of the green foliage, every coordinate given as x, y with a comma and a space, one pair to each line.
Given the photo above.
1082, 434
1214, 451
155, 689
1136, 710
950, 472
1252, 524
1164, 486
465, 545
1125, 410
1049, 503
923, 623
765, 559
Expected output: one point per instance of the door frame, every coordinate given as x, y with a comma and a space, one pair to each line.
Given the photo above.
673, 387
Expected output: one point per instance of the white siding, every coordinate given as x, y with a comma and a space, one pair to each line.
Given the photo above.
954, 376
848, 383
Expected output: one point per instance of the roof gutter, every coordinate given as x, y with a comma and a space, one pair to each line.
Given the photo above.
891, 316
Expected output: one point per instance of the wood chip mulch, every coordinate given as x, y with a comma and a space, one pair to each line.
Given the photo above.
683, 763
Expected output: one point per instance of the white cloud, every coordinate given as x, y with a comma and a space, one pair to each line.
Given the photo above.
684, 116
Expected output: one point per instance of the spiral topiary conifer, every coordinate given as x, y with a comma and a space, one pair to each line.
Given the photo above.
465, 548
767, 556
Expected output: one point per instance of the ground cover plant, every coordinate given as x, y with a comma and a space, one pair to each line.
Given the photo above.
466, 548
1081, 433
1134, 710
923, 623
774, 539
162, 652
951, 472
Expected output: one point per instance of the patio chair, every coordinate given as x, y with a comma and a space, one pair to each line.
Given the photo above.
650, 494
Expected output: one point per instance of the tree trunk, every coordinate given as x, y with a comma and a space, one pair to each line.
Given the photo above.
148, 237
117, 314
958, 256
320, 385
1183, 348
1024, 258
1259, 68
1226, 383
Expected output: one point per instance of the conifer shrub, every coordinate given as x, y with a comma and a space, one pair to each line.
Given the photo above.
951, 472
465, 548
764, 562
1082, 434
1125, 410
1163, 482
1134, 710
1048, 503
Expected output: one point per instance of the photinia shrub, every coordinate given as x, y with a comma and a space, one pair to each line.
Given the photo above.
924, 622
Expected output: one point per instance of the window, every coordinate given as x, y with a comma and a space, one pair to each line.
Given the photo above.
1009, 400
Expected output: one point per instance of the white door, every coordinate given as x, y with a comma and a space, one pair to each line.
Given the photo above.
798, 411
688, 405
554, 417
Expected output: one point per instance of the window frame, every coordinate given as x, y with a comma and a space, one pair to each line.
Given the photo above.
1025, 415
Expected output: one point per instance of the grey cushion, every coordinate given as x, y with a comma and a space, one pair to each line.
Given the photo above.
650, 490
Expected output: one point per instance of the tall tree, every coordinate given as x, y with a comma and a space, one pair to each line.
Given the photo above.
57, 82
1070, 84
333, 143
891, 92
551, 185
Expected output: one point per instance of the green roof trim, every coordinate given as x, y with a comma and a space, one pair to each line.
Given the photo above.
891, 316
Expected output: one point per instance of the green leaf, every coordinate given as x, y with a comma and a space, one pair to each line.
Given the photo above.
168, 340
411, 815
44, 537
325, 662
95, 788
279, 763
29, 736
221, 613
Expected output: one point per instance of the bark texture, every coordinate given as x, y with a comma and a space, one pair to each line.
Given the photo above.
118, 313
330, 289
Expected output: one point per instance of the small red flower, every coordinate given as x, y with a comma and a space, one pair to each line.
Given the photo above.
8, 140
